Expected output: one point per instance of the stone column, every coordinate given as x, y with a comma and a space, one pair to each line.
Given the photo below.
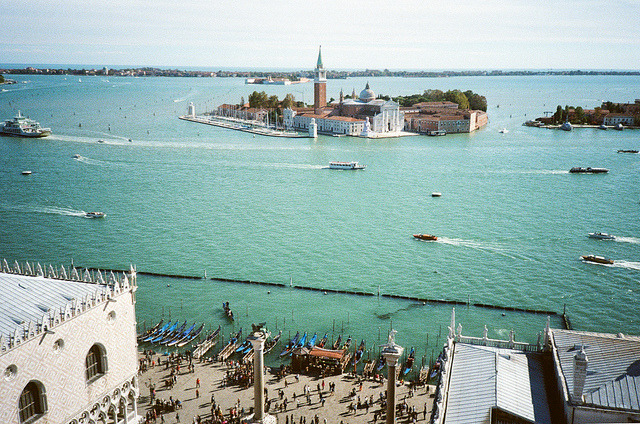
257, 339
391, 354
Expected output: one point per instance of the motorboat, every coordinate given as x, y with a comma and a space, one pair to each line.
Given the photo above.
602, 236
628, 151
428, 237
77, 156
95, 215
503, 131
346, 165
26, 172
602, 127
618, 127
588, 170
597, 259
21, 126
566, 127
436, 194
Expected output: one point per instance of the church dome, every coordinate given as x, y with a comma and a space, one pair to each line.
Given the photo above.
367, 94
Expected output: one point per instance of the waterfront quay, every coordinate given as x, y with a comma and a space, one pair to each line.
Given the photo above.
245, 125
286, 397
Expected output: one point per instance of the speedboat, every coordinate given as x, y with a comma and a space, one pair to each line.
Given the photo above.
602, 127
602, 236
429, 237
588, 170
566, 126
346, 165
95, 215
77, 156
436, 194
26, 172
503, 131
628, 151
597, 259
21, 126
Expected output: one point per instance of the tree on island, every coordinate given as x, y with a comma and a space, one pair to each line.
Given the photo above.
464, 100
1, 79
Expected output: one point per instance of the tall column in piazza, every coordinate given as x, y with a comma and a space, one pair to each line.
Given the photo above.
391, 353
257, 339
320, 85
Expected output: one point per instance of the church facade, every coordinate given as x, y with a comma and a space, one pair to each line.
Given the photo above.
363, 116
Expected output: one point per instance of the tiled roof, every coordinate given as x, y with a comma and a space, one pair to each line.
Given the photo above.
613, 370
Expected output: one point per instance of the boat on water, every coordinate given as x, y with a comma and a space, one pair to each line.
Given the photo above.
429, 237
588, 170
77, 156
227, 310
347, 344
503, 131
323, 340
290, 345
150, 331
26, 172
409, 362
158, 337
628, 151
190, 337
358, 356
336, 344
156, 333
95, 215
270, 344
21, 126
436, 133
618, 127
180, 336
566, 126
436, 194
597, 259
602, 236
346, 165
381, 363
312, 342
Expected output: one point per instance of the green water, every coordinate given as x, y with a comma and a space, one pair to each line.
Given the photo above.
182, 198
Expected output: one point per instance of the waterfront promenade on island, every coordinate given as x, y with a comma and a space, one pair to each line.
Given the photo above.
196, 400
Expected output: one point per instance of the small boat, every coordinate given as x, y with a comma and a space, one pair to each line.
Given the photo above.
164, 333
602, 127
312, 342
227, 310
588, 170
428, 237
618, 127
358, 356
21, 126
597, 259
566, 127
290, 345
436, 133
503, 131
26, 172
346, 165
173, 335
302, 341
628, 151
602, 236
381, 363
150, 331
95, 215
409, 362
243, 346
77, 156
157, 332
180, 335
100, 141
336, 344
436, 194
347, 343
270, 344
190, 337
323, 340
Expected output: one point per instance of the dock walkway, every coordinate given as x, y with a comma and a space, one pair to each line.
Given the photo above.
249, 126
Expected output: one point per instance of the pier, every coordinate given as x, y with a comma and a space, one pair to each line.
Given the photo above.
253, 127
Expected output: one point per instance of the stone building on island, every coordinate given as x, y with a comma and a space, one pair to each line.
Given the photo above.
367, 116
67, 346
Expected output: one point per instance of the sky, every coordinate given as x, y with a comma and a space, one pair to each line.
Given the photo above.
354, 34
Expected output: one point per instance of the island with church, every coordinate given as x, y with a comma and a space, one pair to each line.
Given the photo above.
365, 115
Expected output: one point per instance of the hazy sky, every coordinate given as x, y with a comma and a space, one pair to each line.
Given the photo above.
395, 34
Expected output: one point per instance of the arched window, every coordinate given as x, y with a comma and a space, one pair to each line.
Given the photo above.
33, 402
96, 362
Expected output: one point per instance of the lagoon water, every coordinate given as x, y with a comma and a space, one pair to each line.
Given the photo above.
184, 198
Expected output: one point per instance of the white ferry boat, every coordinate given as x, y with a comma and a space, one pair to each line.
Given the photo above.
21, 126
346, 165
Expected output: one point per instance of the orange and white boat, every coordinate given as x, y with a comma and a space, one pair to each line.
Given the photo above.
425, 237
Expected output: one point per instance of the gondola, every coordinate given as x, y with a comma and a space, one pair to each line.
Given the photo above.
358, 356
409, 362
323, 340
209, 337
150, 331
312, 342
157, 332
243, 346
270, 344
173, 334
227, 310
163, 334
347, 344
191, 337
180, 336
302, 341
290, 345
381, 363
336, 345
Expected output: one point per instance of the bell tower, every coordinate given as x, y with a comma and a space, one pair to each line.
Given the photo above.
320, 84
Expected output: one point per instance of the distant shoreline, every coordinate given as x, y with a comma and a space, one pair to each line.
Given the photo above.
159, 72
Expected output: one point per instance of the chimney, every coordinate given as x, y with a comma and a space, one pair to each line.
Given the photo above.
580, 362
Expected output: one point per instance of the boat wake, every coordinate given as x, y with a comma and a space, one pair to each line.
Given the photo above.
90, 161
54, 210
182, 99
494, 248
633, 240
626, 264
